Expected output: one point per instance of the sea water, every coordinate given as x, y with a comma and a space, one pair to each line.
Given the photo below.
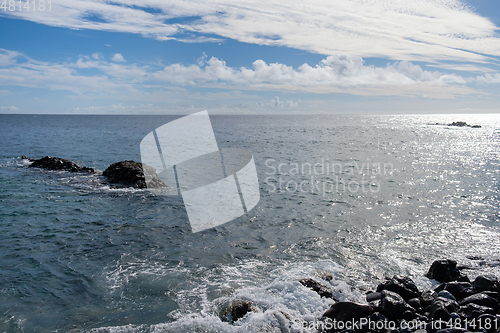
346, 200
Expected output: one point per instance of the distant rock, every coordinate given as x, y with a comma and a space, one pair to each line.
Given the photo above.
57, 163
463, 124
133, 174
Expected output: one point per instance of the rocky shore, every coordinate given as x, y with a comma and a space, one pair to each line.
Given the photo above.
119, 174
457, 305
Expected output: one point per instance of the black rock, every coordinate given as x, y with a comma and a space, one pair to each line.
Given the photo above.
485, 283
446, 294
57, 163
414, 303
472, 310
459, 289
373, 296
488, 322
236, 310
345, 311
442, 307
492, 294
443, 271
321, 289
373, 319
452, 330
403, 286
133, 174
428, 297
393, 305
481, 299
459, 124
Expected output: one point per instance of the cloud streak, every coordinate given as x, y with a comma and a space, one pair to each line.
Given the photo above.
417, 30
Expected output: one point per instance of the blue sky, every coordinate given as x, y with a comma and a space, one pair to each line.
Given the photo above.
250, 56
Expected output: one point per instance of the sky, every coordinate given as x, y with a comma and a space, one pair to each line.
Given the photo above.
249, 56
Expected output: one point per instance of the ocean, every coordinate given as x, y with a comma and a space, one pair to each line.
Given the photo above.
346, 200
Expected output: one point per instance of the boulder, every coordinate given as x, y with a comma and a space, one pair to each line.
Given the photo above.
133, 174
459, 124
321, 289
481, 299
403, 286
459, 289
485, 283
443, 271
346, 311
236, 310
60, 164
393, 305
472, 310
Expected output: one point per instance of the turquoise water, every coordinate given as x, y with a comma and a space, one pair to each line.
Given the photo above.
357, 197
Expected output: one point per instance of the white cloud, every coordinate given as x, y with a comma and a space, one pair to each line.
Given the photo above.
427, 30
9, 108
118, 58
335, 74
337, 70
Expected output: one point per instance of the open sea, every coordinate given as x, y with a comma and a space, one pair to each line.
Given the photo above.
346, 200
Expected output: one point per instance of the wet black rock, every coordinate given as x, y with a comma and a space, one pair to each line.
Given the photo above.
428, 297
403, 286
452, 330
442, 307
415, 303
458, 289
393, 305
321, 289
443, 271
370, 297
481, 299
471, 311
60, 164
485, 283
133, 174
236, 310
346, 311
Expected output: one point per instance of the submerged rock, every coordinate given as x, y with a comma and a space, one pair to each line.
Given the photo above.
321, 289
236, 310
133, 174
57, 163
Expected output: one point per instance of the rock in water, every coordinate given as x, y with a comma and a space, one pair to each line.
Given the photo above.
321, 289
131, 174
485, 283
403, 286
57, 163
236, 310
444, 271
